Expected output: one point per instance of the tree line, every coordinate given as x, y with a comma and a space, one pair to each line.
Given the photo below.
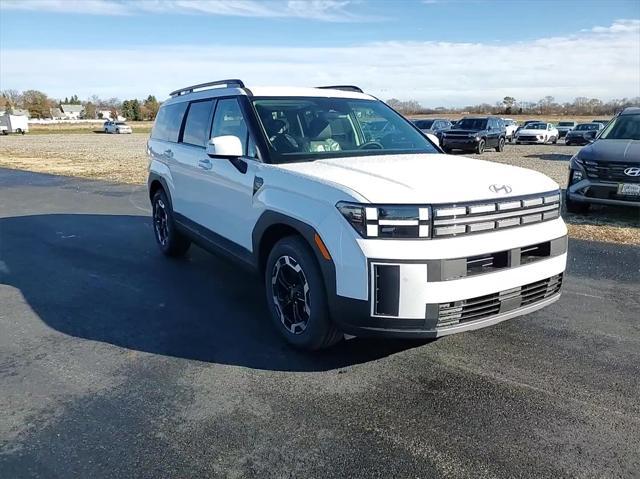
582, 106
40, 105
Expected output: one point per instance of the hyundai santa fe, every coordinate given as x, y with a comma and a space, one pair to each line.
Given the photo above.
357, 223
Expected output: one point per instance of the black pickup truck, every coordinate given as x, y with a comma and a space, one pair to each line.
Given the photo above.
475, 134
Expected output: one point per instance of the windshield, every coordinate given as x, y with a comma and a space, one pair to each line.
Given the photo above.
588, 126
471, 124
566, 123
423, 124
120, 123
537, 126
310, 128
625, 127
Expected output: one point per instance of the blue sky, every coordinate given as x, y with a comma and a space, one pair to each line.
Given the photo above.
437, 51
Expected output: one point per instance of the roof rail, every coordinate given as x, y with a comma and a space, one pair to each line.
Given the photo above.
342, 87
189, 89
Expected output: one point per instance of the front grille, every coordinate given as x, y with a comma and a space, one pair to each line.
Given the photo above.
610, 171
474, 309
527, 138
450, 136
466, 218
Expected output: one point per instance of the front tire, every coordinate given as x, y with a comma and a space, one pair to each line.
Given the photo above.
170, 241
296, 296
500, 146
480, 147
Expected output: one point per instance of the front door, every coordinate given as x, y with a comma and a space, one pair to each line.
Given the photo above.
224, 186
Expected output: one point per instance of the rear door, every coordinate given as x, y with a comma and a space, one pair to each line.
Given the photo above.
189, 158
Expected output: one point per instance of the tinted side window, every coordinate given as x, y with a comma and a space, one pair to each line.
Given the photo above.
168, 122
228, 120
196, 126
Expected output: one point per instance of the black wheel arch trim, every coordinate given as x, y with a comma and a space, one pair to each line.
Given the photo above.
153, 177
272, 218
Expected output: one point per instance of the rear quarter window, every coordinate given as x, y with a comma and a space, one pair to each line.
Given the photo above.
168, 122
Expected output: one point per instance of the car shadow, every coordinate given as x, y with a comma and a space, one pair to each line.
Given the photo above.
102, 278
551, 156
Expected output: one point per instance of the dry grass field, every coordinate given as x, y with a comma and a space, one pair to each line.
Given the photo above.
93, 127
122, 158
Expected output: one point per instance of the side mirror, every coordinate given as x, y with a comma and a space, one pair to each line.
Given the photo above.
227, 146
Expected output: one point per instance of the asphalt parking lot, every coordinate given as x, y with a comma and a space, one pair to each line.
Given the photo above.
115, 362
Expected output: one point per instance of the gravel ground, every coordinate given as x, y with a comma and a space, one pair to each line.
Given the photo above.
122, 158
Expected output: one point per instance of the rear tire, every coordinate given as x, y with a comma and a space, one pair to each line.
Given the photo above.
480, 147
296, 296
170, 241
575, 207
500, 146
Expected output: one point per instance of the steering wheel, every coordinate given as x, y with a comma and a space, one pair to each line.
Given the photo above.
286, 142
371, 145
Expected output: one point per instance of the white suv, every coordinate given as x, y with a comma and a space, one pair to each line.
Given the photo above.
358, 223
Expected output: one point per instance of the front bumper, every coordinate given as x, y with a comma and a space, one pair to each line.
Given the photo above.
467, 144
577, 140
599, 192
529, 139
415, 296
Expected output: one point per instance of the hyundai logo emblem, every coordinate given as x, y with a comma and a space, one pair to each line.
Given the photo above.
633, 171
506, 189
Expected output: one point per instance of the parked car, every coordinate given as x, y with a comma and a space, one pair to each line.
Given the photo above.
433, 126
583, 133
510, 128
116, 127
565, 127
475, 134
366, 234
538, 132
14, 124
608, 170
526, 123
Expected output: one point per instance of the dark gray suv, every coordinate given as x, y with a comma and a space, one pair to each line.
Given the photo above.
607, 171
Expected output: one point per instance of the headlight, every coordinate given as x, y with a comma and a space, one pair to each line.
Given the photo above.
388, 221
576, 175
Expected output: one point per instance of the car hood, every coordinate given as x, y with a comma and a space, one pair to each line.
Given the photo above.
423, 178
612, 150
527, 131
582, 132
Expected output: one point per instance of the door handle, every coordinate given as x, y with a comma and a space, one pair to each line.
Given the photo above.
205, 164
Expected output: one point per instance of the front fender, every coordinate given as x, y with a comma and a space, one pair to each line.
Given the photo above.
309, 215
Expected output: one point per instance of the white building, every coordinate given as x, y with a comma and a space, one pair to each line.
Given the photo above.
71, 112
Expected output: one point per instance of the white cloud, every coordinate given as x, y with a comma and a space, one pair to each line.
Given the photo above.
92, 7
322, 10
603, 64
